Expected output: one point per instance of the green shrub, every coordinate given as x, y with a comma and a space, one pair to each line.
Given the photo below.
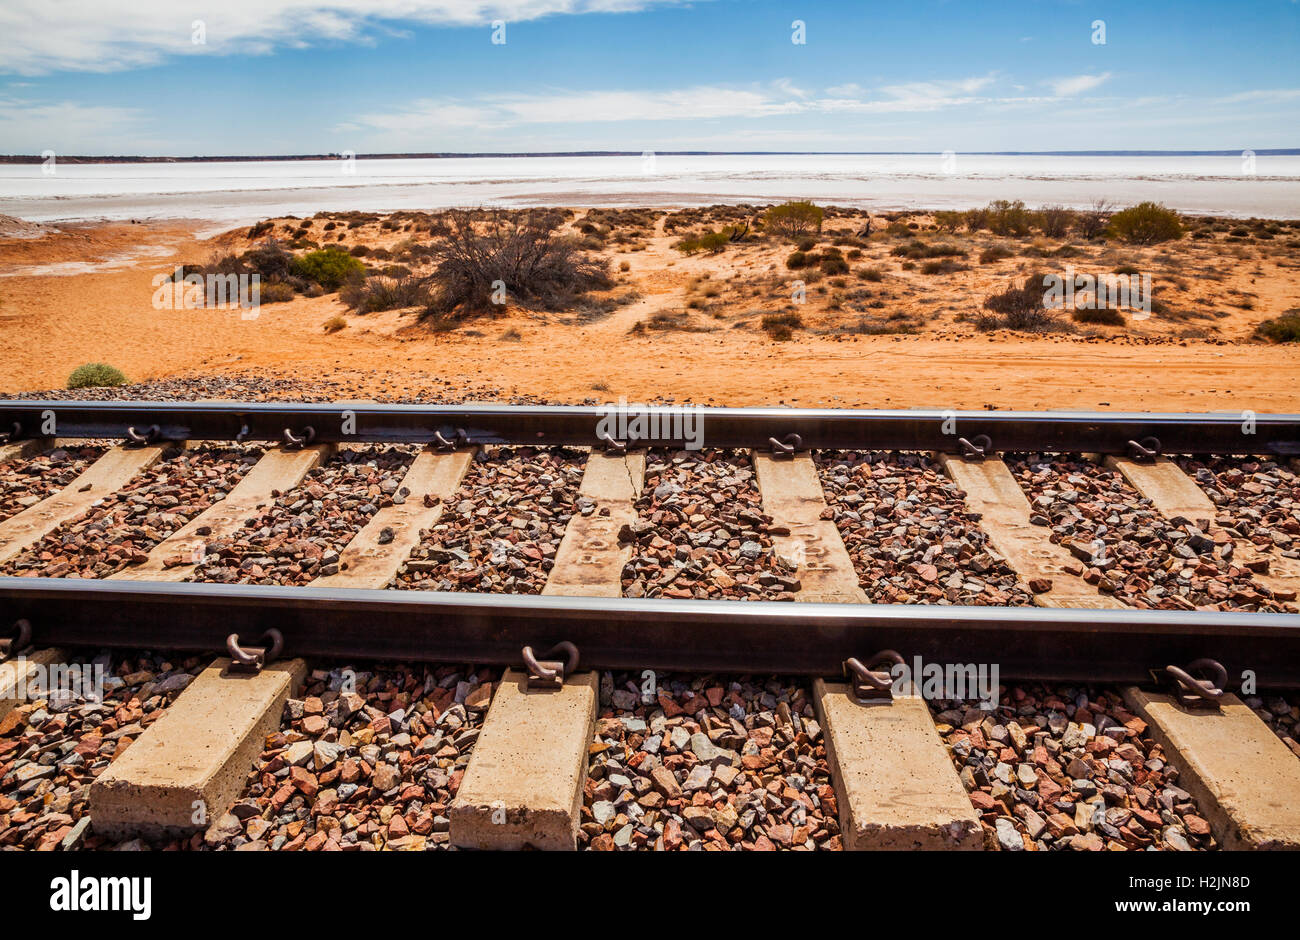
1145, 224
331, 268
1008, 218
1283, 329
948, 221
712, 242
95, 375
792, 219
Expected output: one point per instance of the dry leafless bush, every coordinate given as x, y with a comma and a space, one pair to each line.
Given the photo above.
484, 250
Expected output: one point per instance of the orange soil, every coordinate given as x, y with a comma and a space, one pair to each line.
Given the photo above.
50, 324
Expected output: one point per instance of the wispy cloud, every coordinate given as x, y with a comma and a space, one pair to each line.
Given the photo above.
37, 36
33, 126
1262, 94
1075, 84
695, 103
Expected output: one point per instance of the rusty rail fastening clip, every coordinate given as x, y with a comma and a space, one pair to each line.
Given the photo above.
1147, 449
250, 660
135, 439
612, 446
550, 673
462, 440
870, 684
1189, 691
21, 639
13, 434
977, 448
298, 441
786, 446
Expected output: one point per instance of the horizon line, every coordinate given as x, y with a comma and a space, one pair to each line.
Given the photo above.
451, 155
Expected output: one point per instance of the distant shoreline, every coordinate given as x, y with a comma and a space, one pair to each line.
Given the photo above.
27, 159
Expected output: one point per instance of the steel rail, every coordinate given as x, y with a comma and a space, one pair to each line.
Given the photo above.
619, 633
668, 426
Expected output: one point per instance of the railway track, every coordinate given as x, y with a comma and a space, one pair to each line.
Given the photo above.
619, 593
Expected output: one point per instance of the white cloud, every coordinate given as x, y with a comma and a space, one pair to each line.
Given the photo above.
580, 107
64, 127
40, 36
1262, 94
421, 118
1075, 84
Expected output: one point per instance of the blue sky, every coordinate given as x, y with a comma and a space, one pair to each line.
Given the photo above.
310, 76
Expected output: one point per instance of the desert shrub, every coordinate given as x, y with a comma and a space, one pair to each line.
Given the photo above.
334, 324
269, 259
942, 266
1055, 221
833, 263
1092, 222
1283, 329
781, 326
1006, 217
1145, 224
806, 244
521, 250
995, 253
792, 219
385, 293
712, 242
1021, 308
1126, 269
948, 221
1104, 316
95, 375
261, 228
796, 260
274, 292
919, 250
331, 268
874, 275
976, 219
